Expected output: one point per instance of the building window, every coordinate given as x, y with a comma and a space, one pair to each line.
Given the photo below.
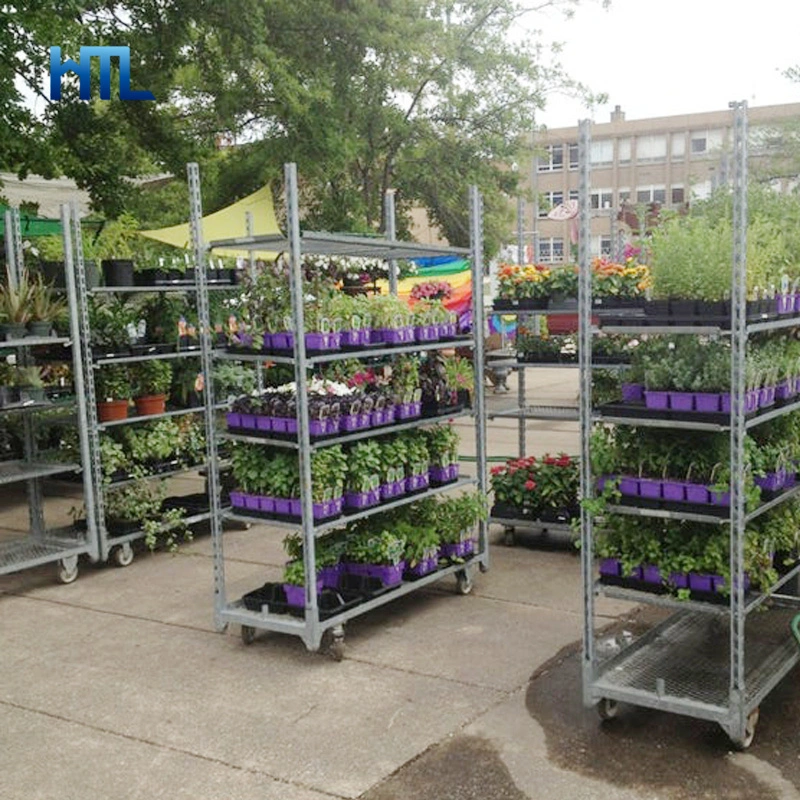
651, 148
702, 190
678, 146
602, 152
703, 142
573, 194
573, 156
624, 150
624, 195
677, 195
651, 194
548, 201
605, 245
552, 160
551, 249
601, 198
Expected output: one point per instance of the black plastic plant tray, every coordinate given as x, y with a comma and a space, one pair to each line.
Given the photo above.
368, 346
717, 598
191, 503
640, 411
270, 594
443, 483
431, 411
330, 603
723, 512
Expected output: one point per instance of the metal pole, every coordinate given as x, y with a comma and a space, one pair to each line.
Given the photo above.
585, 367
391, 234
312, 633
9, 243
83, 378
207, 367
478, 322
520, 229
738, 363
248, 218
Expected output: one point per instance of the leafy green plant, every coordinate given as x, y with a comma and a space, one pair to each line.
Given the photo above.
151, 377
442, 443
363, 466
112, 382
16, 297
384, 548
116, 238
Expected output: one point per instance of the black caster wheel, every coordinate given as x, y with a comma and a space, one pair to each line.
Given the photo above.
745, 741
68, 569
509, 537
463, 581
248, 634
123, 555
607, 709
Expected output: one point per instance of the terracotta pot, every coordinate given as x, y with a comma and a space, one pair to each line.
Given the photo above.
151, 404
111, 410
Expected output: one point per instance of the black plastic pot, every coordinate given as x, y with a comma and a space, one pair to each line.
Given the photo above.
118, 272
54, 273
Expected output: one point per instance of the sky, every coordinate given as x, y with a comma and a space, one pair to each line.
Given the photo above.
681, 56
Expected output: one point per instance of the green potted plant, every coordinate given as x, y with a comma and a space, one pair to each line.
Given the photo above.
30, 383
363, 475
376, 554
16, 297
456, 519
442, 443
151, 382
113, 392
47, 309
114, 247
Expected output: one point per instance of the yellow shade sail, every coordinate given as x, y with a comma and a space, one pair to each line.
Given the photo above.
227, 223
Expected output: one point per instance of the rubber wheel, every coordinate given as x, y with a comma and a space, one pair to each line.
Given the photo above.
67, 573
248, 634
509, 539
749, 731
607, 709
123, 555
463, 582
336, 648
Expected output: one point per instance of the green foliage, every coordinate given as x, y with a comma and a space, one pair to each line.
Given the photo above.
442, 442
151, 377
112, 382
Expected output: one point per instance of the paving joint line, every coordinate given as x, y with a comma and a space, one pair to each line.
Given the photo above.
169, 747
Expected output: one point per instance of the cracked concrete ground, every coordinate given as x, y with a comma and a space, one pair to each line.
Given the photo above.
117, 686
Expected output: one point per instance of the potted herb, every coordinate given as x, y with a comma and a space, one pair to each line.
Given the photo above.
151, 382
456, 518
442, 441
328, 470
394, 458
376, 554
113, 391
405, 382
422, 547
418, 462
363, 475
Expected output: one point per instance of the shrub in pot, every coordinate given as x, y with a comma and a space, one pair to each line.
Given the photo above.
16, 299
151, 382
113, 391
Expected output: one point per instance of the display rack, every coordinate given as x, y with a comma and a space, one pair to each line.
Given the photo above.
706, 660
312, 626
112, 544
43, 545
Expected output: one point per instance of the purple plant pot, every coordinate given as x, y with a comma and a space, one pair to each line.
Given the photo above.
699, 582
266, 504
797, 301
263, 424
632, 393
251, 502
283, 506
295, 507
349, 423
697, 494
680, 580
248, 421
674, 491
603, 481
329, 576
388, 574
351, 338
296, 595
316, 341
237, 499
416, 483
635, 574
719, 498
364, 421
790, 480
360, 500
233, 420
751, 401
406, 411
291, 425
426, 333
629, 486
318, 427
771, 482
392, 336
784, 303
708, 402
454, 469
280, 424
681, 401
266, 342
784, 391
650, 488
766, 396
651, 574
378, 418
610, 567
718, 582
424, 567
440, 474
656, 400
457, 549
283, 340
243, 340
388, 491
725, 402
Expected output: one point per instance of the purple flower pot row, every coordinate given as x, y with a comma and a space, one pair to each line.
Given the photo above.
390, 491
775, 481
283, 506
390, 336
346, 423
296, 595
787, 303
388, 574
457, 549
648, 573
712, 402
315, 341
424, 567
417, 483
670, 490
426, 333
443, 474
361, 500
359, 338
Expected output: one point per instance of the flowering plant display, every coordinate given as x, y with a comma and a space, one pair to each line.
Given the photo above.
518, 282
536, 485
432, 290
627, 280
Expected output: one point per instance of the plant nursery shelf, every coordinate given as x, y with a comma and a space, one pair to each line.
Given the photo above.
703, 330
194, 352
174, 287
15, 471
682, 664
533, 523
237, 613
32, 551
177, 412
34, 341
342, 355
663, 600
318, 243
154, 475
133, 535
623, 418
328, 441
326, 525
567, 413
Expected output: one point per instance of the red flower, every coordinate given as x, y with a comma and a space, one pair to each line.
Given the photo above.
496, 470
530, 485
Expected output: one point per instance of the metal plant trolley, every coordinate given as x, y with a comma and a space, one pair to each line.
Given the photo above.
119, 546
709, 661
310, 628
42, 545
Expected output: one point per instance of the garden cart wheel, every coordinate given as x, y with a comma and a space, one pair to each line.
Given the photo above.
123, 555
335, 642
749, 732
248, 634
607, 708
509, 539
68, 569
463, 581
